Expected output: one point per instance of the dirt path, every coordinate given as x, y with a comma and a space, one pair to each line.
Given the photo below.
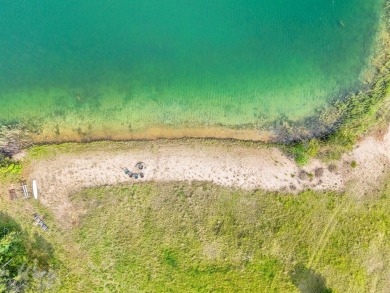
232, 165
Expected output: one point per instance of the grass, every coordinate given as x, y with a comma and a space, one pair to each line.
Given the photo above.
361, 112
32, 262
199, 237
204, 238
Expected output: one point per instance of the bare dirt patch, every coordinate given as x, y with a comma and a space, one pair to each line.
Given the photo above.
227, 165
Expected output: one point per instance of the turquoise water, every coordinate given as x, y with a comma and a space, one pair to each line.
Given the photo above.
129, 65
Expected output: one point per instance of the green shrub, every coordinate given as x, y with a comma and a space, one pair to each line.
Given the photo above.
25, 261
313, 147
303, 151
301, 160
9, 166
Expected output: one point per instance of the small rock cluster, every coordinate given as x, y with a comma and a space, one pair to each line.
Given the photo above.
140, 166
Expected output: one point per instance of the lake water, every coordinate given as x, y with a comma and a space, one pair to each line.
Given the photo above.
126, 66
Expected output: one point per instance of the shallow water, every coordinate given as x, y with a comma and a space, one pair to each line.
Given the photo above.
125, 66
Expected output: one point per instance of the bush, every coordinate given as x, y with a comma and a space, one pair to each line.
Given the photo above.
13, 256
9, 166
299, 153
313, 147
25, 262
303, 151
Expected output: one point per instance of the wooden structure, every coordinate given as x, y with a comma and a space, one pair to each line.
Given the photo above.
40, 222
24, 189
12, 194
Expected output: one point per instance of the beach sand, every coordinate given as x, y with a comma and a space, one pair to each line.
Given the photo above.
227, 164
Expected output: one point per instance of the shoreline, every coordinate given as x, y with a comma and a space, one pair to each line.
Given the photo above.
326, 122
211, 185
155, 133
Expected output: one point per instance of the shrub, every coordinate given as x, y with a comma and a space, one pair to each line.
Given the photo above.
313, 147
25, 262
303, 151
9, 166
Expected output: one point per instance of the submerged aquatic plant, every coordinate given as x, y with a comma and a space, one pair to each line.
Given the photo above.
13, 138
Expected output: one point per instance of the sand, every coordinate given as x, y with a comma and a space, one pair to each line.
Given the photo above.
228, 165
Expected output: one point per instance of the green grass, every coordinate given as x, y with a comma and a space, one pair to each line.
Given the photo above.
199, 237
204, 238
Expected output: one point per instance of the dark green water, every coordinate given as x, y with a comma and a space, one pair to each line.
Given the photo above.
135, 64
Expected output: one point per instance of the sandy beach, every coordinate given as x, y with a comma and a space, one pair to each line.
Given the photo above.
228, 165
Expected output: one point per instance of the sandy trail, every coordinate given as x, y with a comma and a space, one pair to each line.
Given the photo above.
231, 165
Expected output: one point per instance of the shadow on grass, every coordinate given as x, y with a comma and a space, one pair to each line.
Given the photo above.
28, 261
308, 281
8, 224
35, 246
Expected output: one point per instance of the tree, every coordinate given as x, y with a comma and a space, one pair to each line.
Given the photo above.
25, 262
13, 258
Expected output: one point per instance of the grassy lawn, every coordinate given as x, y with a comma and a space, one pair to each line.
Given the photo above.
203, 238
200, 237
